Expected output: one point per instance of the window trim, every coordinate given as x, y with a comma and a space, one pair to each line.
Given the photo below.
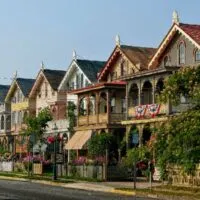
182, 42
195, 53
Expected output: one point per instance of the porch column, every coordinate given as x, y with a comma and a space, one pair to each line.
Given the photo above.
139, 93
108, 106
153, 90
87, 110
127, 97
128, 128
140, 129
78, 109
97, 107
168, 107
5, 124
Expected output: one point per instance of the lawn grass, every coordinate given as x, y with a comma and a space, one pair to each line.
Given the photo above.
44, 177
169, 190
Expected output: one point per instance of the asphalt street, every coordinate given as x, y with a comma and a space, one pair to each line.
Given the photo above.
17, 190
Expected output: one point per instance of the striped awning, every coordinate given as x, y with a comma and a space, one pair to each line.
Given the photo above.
78, 140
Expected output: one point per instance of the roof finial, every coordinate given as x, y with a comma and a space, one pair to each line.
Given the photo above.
74, 55
117, 40
15, 75
42, 66
175, 17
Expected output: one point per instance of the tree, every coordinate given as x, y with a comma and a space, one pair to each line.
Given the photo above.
178, 141
71, 109
98, 144
185, 82
36, 125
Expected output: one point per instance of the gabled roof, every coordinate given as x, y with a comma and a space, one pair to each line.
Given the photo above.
190, 31
25, 85
3, 92
54, 77
136, 55
140, 55
90, 68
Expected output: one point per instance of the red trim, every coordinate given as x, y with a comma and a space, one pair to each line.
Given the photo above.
106, 66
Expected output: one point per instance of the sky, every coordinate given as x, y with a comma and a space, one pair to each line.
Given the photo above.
32, 31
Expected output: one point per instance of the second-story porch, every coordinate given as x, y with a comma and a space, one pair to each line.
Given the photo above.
101, 105
142, 98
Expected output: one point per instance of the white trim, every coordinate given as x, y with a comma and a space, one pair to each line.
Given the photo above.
71, 66
162, 45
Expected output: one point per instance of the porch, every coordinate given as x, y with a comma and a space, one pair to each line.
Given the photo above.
102, 104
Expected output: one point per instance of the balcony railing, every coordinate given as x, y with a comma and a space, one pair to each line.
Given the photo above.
101, 118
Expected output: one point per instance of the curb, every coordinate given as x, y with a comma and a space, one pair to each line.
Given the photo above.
127, 193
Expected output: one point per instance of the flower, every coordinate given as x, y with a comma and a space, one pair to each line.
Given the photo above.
80, 160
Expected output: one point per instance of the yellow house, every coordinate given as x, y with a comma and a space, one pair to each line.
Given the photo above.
21, 107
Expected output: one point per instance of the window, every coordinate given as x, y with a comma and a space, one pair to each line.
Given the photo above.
113, 105
113, 75
123, 105
86, 83
72, 86
81, 80
122, 68
46, 89
166, 59
77, 81
181, 52
197, 55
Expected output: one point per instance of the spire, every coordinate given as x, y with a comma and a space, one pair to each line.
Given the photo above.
15, 75
74, 56
42, 66
117, 40
175, 18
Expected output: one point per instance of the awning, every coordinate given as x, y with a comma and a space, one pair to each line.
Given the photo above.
78, 140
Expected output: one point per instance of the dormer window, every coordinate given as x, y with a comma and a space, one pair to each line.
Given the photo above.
197, 55
181, 53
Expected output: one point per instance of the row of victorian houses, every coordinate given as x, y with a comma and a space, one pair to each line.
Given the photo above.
116, 96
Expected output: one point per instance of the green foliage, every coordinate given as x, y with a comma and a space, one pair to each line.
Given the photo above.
37, 125
98, 144
178, 142
71, 108
185, 82
136, 154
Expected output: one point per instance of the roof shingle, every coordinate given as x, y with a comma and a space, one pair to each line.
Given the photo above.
192, 30
25, 85
3, 92
54, 77
90, 68
141, 55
